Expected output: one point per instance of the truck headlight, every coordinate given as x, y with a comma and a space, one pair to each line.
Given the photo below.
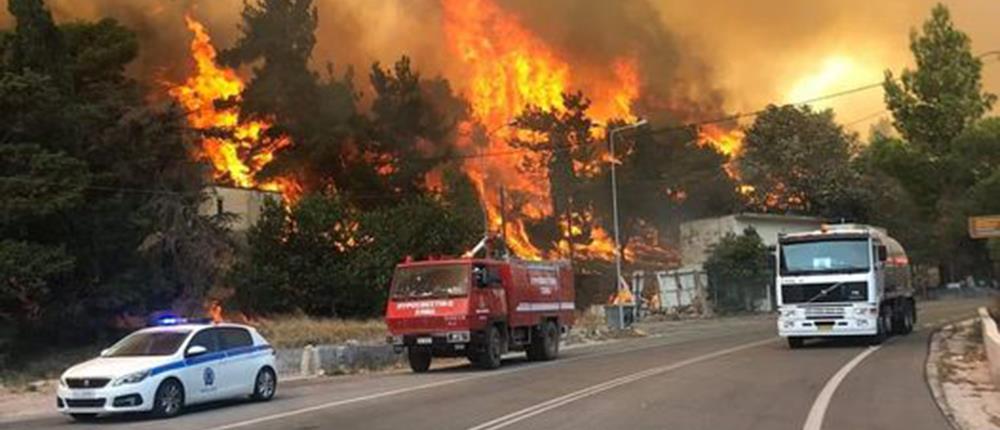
131, 378
788, 313
865, 311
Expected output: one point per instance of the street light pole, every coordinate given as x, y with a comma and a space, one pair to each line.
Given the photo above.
614, 199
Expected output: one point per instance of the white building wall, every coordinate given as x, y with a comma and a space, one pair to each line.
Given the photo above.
245, 204
697, 237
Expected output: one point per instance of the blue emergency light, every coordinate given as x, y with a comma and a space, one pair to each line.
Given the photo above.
160, 319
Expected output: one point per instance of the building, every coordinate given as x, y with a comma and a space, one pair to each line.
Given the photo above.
685, 287
696, 237
244, 203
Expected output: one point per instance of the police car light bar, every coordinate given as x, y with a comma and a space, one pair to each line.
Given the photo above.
170, 319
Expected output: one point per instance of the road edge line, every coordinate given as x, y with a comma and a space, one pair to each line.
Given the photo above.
814, 421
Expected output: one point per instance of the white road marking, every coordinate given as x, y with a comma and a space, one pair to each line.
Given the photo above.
814, 421
548, 405
378, 395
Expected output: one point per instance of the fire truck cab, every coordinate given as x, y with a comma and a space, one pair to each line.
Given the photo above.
479, 308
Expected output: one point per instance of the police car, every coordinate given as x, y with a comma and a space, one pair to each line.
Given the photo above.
162, 369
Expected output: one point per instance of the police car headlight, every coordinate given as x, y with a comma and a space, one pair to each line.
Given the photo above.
131, 378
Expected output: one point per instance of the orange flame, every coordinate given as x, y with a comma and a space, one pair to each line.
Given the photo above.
236, 159
509, 68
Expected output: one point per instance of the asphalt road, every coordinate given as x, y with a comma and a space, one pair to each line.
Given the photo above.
728, 374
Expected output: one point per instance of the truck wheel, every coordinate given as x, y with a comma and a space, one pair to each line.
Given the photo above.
909, 315
884, 324
419, 358
545, 345
489, 357
795, 342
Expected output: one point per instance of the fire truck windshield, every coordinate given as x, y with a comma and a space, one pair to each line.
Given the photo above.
431, 281
827, 256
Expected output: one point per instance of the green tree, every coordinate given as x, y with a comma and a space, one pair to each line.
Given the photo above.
324, 257
740, 270
933, 104
946, 151
84, 158
799, 160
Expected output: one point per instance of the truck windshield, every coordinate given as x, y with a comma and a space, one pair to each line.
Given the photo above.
827, 256
428, 282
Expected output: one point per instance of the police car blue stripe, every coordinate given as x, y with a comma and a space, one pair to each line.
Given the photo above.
208, 358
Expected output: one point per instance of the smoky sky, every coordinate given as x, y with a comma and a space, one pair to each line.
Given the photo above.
701, 56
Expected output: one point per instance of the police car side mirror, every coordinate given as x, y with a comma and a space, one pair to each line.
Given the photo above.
195, 350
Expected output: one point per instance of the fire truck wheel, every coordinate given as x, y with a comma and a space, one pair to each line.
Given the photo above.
545, 345
420, 359
489, 358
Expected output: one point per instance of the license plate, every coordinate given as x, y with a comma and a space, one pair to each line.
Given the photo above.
424, 341
84, 394
825, 327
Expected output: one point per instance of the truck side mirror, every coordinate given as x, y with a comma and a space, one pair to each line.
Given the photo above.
882, 254
480, 276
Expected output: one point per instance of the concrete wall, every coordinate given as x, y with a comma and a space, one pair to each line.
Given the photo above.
335, 359
246, 204
991, 340
699, 235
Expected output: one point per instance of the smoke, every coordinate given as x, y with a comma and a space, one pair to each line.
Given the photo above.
695, 58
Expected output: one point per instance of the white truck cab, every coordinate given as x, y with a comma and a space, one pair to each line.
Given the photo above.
842, 280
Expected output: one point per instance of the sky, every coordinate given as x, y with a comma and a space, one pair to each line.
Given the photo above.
747, 54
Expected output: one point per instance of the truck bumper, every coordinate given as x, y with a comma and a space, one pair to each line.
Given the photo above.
834, 327
448, 344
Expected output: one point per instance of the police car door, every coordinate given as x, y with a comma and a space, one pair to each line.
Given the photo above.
242, 360
200, 372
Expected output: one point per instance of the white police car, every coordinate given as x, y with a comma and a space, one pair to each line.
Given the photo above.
163, 369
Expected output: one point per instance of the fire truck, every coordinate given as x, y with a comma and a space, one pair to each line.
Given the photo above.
479, 307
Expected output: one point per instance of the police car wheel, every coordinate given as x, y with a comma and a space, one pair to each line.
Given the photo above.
265, 384
169, 400
84, 417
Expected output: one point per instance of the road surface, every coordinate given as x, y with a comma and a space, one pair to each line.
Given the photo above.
728, 374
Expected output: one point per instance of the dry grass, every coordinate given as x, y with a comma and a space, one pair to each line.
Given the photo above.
298, 331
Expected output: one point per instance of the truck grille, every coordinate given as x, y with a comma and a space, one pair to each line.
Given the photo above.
87, 382
824, 312
847, 292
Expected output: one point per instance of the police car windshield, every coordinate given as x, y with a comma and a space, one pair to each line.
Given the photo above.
149, 343
428, 282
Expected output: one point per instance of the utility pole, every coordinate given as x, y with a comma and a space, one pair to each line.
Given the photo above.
614, 198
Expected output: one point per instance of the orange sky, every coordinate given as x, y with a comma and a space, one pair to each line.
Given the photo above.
755, 52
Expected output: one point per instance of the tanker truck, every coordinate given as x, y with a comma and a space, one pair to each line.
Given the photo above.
842, 280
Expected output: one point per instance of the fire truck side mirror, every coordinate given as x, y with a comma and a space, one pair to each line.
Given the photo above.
480, 276
484, 278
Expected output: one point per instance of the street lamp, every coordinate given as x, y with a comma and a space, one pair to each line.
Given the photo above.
614, 198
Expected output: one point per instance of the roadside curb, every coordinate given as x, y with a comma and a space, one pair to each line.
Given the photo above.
931, 376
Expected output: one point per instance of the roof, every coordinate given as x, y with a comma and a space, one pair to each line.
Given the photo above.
779, 217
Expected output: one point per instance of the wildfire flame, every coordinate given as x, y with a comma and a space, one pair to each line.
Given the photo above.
509, 68
246, 147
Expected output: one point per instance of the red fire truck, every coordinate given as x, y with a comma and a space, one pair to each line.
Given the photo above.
479, 308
